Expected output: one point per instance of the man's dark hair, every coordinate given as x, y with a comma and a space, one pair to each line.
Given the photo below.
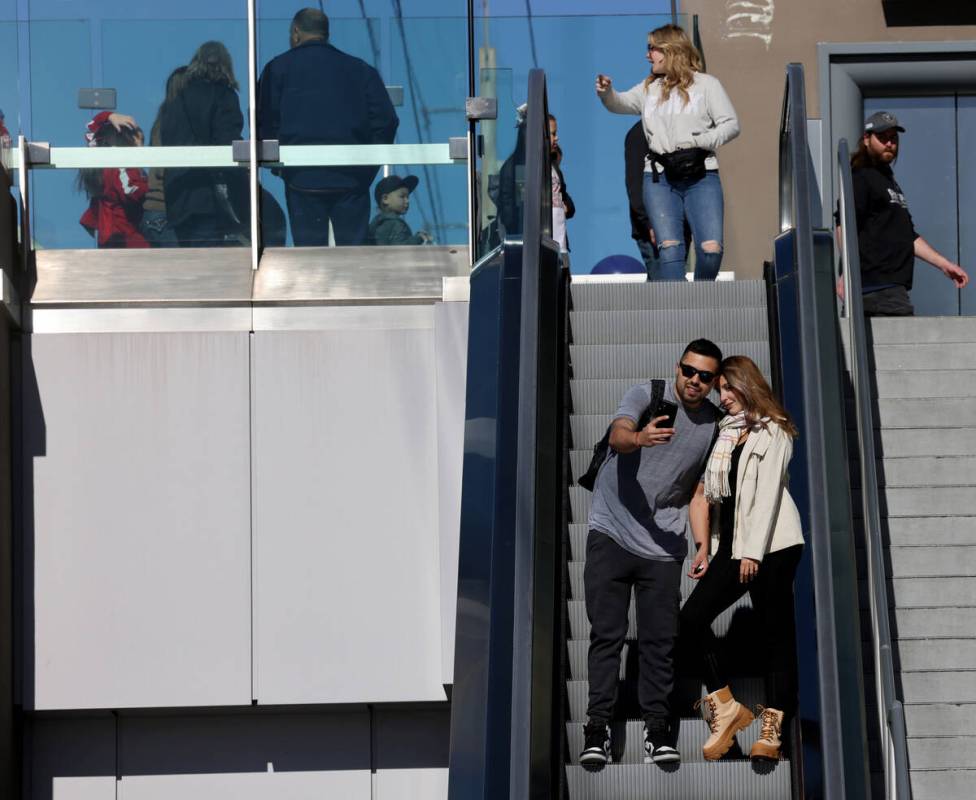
311, 21
703, 347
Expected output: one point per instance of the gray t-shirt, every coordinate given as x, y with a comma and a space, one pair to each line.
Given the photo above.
641, 499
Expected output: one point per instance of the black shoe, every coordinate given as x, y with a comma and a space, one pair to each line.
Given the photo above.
658, 746
596, 746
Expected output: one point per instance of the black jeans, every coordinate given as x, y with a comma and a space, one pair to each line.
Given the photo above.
891, 302
310, 212
610, 574
772, 598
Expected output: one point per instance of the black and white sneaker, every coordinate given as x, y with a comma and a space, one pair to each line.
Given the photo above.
657, 743
596, 746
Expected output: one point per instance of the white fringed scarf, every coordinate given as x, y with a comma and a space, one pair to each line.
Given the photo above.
717, 471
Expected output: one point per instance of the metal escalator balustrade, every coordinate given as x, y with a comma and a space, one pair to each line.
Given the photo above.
889, 708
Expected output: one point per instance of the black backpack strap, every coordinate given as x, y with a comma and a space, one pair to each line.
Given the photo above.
657, 394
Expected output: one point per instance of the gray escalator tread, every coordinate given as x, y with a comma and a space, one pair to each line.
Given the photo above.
747, 690
628, 740
627, 360
691, 297
675, 326
623, 334
723, 780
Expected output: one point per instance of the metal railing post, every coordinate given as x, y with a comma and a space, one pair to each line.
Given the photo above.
252, 121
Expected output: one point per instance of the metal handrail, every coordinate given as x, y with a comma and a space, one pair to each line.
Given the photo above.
891, 713
796, 213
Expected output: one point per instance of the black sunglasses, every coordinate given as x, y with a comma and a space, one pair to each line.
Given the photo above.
690, 372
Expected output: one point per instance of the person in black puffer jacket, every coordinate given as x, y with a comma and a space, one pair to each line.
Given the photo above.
205, 206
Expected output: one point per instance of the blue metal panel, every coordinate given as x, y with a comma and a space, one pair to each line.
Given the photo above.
926, 171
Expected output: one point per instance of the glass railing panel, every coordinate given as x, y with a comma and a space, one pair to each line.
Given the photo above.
133, 197
429, 60
9, 86
498, 140
572, 50
181, 105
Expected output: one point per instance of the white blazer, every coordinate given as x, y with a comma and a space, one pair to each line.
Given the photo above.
766, 518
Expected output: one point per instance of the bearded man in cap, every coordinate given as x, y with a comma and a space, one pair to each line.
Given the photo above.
887, 241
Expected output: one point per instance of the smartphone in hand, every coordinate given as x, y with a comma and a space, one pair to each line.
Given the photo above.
669, 409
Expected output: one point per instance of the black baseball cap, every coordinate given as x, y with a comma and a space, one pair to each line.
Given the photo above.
882, 121
393, 182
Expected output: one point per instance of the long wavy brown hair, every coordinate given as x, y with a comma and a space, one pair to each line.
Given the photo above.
212, 62
681, 60
750, 388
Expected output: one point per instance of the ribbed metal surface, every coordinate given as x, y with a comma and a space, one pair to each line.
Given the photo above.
639, 360
624, 334
692, 297
676, 326
628, 741
724, 780
748, 691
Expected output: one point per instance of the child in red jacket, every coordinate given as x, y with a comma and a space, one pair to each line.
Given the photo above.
115, 194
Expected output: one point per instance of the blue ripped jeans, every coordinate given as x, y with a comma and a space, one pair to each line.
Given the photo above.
667, 206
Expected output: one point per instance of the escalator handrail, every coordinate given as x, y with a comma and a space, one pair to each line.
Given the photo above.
891, 712
796, 209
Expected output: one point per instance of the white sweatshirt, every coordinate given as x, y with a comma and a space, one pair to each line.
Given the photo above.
708, 119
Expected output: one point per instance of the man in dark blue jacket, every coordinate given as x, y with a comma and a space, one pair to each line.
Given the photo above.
316, 94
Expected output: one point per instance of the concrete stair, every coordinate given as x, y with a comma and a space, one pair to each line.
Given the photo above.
623, 334
924, 385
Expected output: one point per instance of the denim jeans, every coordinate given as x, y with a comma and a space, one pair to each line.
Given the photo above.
668, 206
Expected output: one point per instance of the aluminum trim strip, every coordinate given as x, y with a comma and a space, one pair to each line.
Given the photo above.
140, 320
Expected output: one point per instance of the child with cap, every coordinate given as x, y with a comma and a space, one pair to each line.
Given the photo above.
393, 201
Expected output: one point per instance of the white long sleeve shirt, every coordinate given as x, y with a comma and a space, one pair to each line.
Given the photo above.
707, 120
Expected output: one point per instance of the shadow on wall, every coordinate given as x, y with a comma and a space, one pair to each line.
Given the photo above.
97, 750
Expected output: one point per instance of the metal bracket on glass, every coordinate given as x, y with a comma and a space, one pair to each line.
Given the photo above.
38, 153
104, 99
457, 147
480, 108
267, 150
396, 95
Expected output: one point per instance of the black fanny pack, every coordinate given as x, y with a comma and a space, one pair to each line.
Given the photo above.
682, 166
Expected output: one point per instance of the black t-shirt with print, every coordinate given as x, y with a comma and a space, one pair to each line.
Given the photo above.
886, 234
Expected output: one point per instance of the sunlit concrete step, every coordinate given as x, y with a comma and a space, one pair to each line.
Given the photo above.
935, 357
928, 624
922, 330
931, 501
940, 719
724, 780
925, 413
924, 383
943, 784
926, 562
943, 593
942, 752
958, 686
923, 655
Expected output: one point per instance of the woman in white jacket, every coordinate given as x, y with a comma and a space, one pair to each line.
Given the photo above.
686, 115
759, 547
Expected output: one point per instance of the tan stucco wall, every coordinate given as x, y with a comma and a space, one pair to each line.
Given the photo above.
752, 71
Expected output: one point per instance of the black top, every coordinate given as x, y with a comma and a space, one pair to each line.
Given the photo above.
886, 234
726, 518
635, 152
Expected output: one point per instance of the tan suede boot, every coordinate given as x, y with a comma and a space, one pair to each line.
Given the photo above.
768, 744
725, 717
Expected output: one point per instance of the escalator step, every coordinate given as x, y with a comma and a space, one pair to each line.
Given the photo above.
676, 326
579, 625
748, 691
628, 741
626, 360
723, 780
693, 297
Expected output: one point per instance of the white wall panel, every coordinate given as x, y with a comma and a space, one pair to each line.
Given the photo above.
410, 784
343, 784
137, 496
451, 342
346, 604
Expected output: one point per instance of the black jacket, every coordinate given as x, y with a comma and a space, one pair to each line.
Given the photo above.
204, 113
635, 152
885, 231
316, 94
